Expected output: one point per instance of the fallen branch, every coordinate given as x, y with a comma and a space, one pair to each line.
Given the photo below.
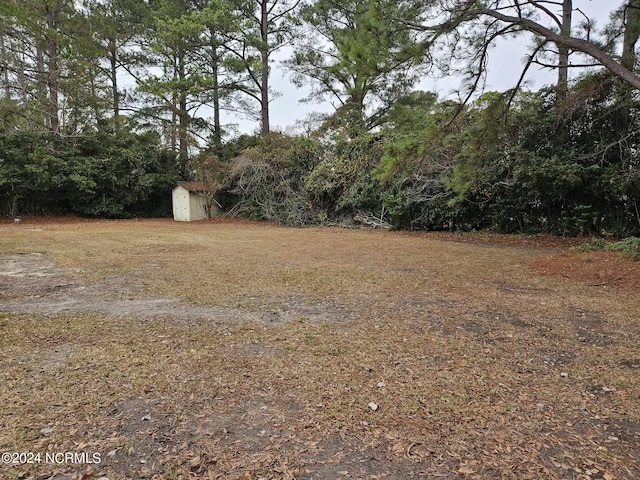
604, 283
371, 220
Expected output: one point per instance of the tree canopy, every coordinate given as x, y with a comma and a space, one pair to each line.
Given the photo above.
359, 54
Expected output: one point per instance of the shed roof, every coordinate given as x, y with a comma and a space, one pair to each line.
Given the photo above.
192, 186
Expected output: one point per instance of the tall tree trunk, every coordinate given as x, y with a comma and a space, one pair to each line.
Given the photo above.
355, 109
563, 50
53, 75
95, 106
631, 34
113, 66
183, 130
173, 129
4, 63
183, 115
628, 59
264, 56
52, 84
215, 64
41, 87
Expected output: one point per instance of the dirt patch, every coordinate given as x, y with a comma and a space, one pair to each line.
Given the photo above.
631, 363
222, 439
31, 275
606, 270
560, 256
591, 327
32, 283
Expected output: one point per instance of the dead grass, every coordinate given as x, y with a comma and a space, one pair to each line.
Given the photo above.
481, 366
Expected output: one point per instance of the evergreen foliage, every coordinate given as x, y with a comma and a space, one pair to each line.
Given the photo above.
95, 175
564, 159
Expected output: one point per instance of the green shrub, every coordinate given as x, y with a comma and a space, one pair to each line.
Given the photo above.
628, 246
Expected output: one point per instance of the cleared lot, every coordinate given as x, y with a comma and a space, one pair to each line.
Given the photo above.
245, 350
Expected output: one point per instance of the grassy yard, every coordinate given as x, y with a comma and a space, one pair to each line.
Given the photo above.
232, 350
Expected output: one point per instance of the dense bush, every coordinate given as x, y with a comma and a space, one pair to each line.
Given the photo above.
533, 164
629, 246
265, 181
94, 175
342, 183
529, 163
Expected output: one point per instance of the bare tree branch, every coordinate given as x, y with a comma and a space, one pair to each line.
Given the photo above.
470, 12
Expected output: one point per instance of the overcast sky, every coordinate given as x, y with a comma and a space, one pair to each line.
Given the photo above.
505, 66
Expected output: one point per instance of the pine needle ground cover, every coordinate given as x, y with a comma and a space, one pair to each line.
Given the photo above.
163, 350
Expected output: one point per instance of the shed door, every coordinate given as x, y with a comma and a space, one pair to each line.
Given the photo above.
181, 205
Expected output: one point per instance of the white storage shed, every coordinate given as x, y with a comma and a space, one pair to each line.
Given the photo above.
191, 202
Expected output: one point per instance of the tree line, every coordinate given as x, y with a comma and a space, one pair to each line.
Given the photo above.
75, 139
